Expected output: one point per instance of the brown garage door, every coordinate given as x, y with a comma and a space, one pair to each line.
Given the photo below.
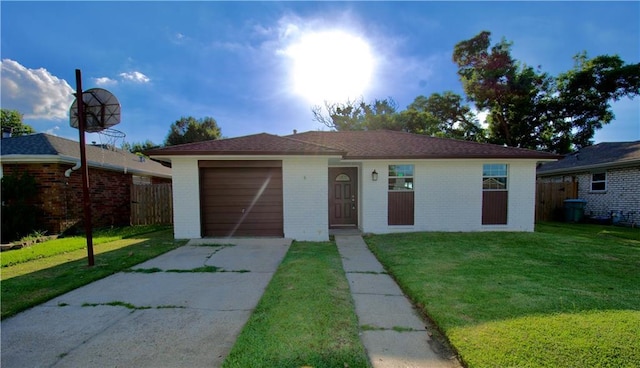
241, 198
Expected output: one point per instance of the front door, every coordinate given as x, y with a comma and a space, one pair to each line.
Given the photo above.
343, 198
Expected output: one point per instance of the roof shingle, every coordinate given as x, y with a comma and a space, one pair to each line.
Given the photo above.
607, 154
257, 144
376, 144
33, 146
386, 144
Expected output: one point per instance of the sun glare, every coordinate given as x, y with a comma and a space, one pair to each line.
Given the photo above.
331, 66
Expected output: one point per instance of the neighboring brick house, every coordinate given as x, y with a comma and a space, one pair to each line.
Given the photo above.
302, 185
608, 177
112, 172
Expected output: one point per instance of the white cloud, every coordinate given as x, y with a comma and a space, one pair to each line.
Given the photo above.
135, 77
105, 81
35, 93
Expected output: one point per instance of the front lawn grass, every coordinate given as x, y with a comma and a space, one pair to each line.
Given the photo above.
68, 244
305, 317
32, 282
564, 296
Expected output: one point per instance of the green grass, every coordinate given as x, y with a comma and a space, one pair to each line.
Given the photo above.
305, 318
69, 244
564, 296
27, 284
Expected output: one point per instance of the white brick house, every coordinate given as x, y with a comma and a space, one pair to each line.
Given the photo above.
608, 177
300, 186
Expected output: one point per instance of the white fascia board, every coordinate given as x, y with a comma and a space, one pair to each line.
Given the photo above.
46, 159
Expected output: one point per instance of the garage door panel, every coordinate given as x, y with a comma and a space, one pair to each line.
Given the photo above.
252, 217
244, 192
258, 224
227, 191
241, 202
238, 209
259, 174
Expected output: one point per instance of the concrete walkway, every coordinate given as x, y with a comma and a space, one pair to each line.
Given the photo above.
392, 331
159, 319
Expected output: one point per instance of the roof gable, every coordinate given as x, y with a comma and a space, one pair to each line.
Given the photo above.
601, 155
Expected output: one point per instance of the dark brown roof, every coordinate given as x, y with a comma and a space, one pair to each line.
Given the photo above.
386, 144
601, 155
377, 144
41, 146
257, 144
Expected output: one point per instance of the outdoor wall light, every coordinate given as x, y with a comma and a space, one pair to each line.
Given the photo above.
374, 175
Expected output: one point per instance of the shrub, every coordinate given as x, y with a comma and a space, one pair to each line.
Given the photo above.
18, 213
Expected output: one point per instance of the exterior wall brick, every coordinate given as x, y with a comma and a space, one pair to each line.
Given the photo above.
305, 197
60, 198
448, 195
186, 198
622, 194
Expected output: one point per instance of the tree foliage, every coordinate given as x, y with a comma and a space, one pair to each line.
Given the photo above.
19, 214
188, 130
442, 115
586, 91
358, 115
138, 147
13, 119
511, 92
529, 108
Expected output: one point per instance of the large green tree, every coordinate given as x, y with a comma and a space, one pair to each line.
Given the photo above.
585, 93
13, 119
138, 147
529, 108
190, 129
442, 115
358, 115
505, 88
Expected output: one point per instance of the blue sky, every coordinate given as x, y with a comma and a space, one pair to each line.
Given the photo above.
243, 63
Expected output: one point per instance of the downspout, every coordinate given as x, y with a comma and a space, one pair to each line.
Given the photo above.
74, 168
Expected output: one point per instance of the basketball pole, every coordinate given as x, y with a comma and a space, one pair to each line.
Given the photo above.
86, 199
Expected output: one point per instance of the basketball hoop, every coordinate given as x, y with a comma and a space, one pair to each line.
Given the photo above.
109, 139
101, 110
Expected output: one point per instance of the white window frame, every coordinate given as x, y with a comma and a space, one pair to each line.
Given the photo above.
598, 182
495, 175
395, 177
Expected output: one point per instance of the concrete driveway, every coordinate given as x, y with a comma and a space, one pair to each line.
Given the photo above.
150, 319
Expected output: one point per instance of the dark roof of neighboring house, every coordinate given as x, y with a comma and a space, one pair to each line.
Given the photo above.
377, 144
41, 147
598, 156
257, 144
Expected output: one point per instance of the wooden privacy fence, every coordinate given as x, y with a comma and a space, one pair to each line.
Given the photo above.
550, 199
151, 204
